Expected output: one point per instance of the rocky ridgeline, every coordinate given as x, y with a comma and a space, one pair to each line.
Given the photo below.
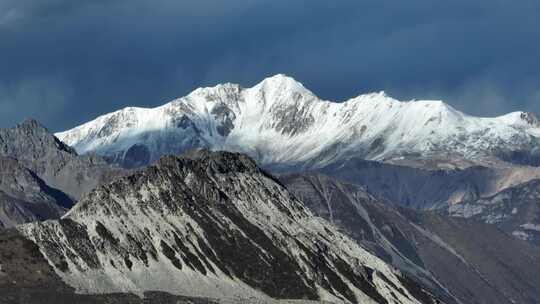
212, 224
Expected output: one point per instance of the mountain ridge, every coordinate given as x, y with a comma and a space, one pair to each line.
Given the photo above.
211, 224
281, 123
41, 175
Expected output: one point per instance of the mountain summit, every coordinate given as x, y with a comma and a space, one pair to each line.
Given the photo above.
281, 123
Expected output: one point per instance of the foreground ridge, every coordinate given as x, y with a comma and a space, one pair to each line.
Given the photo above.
212, 224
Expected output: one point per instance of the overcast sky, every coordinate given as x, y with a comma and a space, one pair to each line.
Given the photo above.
65, 62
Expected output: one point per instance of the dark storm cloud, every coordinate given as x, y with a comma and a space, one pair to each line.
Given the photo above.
64, 61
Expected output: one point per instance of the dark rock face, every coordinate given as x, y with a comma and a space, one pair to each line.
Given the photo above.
505, 268
53, 161
183, 122
18, 181
345, 206
210, 224
462, 259
29, 140
41, 176
225, 118
24, 197
505, 196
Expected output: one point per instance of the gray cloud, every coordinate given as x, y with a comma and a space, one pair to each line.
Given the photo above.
97, 56
44, 97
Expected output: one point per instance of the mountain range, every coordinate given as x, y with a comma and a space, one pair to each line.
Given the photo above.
282, 124
420, 154
370, 200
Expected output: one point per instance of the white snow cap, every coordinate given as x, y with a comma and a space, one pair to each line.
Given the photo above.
279, 121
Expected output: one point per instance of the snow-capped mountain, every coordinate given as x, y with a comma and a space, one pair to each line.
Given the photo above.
281, 123
212, 224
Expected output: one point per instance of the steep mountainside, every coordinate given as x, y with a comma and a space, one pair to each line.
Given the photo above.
41, 176
26, 277
52, 160
472, 261
283, 125
212, 224
429, 189
24, 197
515, 210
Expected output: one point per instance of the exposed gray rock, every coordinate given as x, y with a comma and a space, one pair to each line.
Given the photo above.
41, 177
53, 161
212, 224
24, 197
225, 118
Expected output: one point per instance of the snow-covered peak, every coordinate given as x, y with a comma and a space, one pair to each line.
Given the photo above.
224, 89
281, 81
280, 88
380, 96
280, 122
270, 88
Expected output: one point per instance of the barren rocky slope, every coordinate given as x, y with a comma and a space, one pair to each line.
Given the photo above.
24, 197
41, 177
471, 261
214, 225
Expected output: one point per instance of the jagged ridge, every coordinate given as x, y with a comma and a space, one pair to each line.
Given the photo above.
211, 224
